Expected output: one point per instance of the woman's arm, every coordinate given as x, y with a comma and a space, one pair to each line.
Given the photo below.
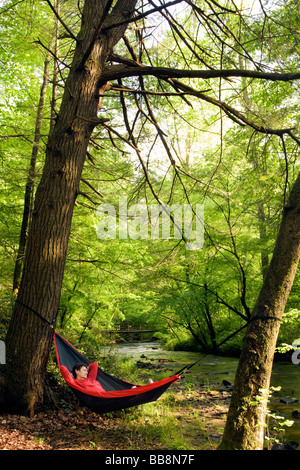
66, 374
93, 371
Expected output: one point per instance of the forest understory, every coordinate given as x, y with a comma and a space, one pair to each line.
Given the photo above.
182, 419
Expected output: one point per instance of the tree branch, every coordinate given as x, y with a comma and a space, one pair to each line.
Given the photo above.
149, 92
92, 187
142, 15
81, 193
114, 72
219, 300
61, 21
231, 112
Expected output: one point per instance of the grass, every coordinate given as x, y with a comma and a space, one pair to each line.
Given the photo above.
174, 422
171, 423
184, 418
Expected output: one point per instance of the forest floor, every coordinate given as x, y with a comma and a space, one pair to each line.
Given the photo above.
184, 418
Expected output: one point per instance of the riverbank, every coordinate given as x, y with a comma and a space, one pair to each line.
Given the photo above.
185, 418
191, 415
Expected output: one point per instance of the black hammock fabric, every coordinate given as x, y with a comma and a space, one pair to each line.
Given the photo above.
118, 394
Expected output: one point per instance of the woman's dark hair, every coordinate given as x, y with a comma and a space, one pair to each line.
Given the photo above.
78, 367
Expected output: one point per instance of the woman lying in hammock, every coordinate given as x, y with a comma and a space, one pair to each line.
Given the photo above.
98, 390
83, 375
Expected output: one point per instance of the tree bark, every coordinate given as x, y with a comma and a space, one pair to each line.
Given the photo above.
244, 428
29, 338
55, 69
264, 256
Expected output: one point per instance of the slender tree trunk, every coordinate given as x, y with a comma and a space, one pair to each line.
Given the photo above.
55, 70
209, 322
29, 188
263, 237
29, 339
244, 428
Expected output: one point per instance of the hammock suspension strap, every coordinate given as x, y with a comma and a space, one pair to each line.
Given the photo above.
50, 323
259, 317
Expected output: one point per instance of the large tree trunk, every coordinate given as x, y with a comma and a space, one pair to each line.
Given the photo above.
244, 428
29, 338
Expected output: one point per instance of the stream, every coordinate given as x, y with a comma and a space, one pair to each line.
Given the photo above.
215, 369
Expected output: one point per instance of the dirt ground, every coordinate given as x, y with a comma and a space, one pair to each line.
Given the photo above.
77, 428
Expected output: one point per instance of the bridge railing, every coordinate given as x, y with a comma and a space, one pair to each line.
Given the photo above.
129, 329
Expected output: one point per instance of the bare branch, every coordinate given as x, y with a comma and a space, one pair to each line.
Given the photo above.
61, 21
81, 193
228, 10
113, 72
235, 115
149, 92
92, 187
142, 15
4, 10
52, 53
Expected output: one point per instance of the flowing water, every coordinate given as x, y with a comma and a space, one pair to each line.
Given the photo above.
214, 369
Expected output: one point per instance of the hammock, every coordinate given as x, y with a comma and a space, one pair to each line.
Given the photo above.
118, 394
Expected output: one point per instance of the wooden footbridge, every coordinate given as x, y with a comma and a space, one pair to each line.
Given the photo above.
129, 329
